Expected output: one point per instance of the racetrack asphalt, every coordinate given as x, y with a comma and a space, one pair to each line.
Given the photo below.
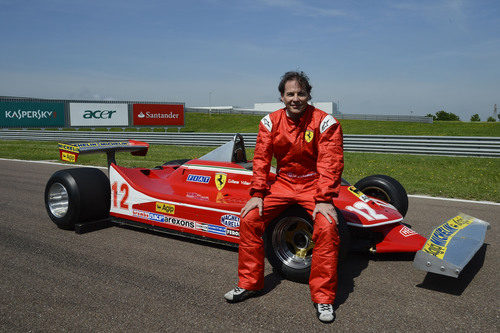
121, 279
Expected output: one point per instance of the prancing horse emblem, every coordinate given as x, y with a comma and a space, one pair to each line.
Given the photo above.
220, 180
309, 135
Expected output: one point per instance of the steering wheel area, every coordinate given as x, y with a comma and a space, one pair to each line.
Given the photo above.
239, 154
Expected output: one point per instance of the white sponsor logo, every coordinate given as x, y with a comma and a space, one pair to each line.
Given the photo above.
151, 115
30, 114
326, 123
266, 121
407, 232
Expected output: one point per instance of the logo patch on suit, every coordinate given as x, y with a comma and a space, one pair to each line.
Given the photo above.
266, 121
220, 180
327, 122
309, 135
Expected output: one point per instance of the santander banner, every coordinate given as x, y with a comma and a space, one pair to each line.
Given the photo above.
158, 114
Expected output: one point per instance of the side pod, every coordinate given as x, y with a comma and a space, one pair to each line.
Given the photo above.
452, 245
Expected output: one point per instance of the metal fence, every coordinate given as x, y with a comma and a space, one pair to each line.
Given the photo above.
400, 144
234, 110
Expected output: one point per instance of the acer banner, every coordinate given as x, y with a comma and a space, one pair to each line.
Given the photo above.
31, 114
158, 115
98, 114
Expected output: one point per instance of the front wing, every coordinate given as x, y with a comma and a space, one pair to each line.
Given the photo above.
452, 245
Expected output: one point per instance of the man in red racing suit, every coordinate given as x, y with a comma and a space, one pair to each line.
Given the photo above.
309, 153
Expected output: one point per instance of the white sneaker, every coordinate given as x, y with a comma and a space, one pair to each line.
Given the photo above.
238, 294
325, 312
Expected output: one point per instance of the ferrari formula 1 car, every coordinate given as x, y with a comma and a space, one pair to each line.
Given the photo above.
202, 198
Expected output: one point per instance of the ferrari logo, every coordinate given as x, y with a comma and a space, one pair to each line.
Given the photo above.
220, 180
308, 135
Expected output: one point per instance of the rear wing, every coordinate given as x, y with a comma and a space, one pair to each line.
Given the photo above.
452, 245
70, 151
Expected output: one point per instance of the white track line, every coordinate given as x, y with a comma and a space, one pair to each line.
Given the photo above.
452, 199
409, 195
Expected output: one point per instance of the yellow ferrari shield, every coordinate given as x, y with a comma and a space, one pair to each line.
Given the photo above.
309, 135
220, 180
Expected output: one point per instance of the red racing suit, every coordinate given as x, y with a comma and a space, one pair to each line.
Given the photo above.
309, 155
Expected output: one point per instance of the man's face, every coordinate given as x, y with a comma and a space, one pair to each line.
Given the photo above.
295, 98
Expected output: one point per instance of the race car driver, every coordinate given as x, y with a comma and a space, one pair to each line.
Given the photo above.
307, 145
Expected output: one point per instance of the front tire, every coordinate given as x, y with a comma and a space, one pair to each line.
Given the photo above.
76, 196
387, 189
289, 246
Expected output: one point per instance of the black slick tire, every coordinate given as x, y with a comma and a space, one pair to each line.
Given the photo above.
386, 189
88, 196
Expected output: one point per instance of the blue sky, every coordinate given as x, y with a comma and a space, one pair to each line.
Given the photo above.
373, 57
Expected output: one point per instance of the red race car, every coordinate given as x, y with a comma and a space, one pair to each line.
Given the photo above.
202, 198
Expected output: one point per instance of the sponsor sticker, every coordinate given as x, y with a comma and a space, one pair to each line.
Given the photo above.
69, 157
210, 228
220, 180
407, 232
232, 232
230, 220
180, 222
197, 196
163, 219
442, 235
156, 217
162, 207
216, 229
198, 179
358, 193
72, 148
78, 147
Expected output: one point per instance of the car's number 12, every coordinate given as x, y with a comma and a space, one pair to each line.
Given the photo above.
123, 193
366, 211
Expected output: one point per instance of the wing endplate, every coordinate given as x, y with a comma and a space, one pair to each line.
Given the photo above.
452, 245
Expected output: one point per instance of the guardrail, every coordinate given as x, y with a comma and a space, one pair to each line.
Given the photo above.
233, 110
400, 144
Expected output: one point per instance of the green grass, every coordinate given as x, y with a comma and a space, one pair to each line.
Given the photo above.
438, 128
234, 123
227, 123
454, 177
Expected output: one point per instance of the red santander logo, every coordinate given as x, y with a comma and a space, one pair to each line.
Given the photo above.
158, 114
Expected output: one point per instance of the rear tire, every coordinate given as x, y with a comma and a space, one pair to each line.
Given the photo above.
386, 189
76, 196
288, 246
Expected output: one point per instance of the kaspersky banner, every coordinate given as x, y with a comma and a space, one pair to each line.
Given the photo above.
158, 114
31, 114
98, 114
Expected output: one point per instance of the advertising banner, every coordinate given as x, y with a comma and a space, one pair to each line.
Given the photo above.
98, 114
158, 115
31, 114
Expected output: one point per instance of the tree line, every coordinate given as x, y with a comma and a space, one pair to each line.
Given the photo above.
450, 116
